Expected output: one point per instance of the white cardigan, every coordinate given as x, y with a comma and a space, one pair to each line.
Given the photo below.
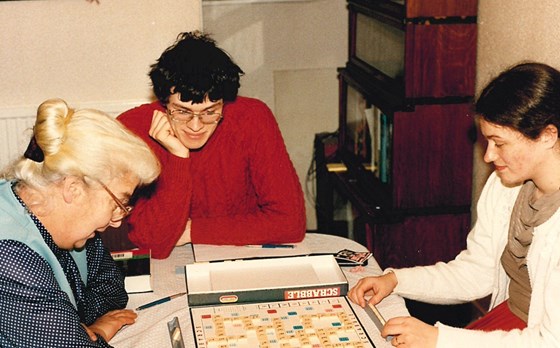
477, 272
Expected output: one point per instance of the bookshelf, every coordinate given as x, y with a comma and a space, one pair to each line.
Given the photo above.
406, 131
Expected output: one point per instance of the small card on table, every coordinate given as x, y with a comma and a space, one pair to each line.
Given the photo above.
348, 257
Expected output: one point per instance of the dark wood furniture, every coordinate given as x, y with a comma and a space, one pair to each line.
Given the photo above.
406, 130
116, 238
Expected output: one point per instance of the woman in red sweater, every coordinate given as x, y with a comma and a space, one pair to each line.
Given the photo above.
226, 175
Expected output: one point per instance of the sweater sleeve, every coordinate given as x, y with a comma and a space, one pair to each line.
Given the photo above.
543, 327
105, 289
538, 336
280, 213
471, 274
161, 212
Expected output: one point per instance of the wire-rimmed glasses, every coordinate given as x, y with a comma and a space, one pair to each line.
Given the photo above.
122, 210
185, 116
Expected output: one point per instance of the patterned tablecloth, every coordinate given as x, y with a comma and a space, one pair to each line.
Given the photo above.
150, 329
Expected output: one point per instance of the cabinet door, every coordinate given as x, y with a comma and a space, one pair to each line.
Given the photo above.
418, 240
440, 60
432, 156
441, 8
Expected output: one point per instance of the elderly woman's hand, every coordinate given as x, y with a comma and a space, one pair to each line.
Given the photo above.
109, 324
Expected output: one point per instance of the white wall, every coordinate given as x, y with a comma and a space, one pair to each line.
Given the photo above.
91, 55
510, 31
98, 55
85, 52
290, 52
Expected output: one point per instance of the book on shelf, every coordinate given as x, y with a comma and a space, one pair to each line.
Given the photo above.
380, 128
385, 149
372, 116
135, 266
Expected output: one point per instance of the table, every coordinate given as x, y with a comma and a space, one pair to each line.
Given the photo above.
150, 329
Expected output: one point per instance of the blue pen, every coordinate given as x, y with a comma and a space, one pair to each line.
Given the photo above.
274, 246
160, 301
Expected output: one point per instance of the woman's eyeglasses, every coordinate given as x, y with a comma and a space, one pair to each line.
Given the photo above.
121, 210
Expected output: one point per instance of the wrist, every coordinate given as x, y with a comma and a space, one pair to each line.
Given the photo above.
186, 236
391, 277
181, 153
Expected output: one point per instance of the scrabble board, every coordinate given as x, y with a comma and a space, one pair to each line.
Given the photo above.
313, 323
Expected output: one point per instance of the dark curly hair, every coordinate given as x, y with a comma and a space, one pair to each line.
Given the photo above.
525, 98
196, 68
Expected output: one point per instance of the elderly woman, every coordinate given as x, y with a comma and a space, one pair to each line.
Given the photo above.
513, 251
58, 284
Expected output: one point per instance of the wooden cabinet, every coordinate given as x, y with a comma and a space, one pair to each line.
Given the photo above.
406, 128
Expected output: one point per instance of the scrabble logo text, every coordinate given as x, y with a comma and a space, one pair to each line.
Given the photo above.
311, 293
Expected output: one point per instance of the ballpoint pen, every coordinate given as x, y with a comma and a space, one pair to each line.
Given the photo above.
273, 246
160, 301
278, 246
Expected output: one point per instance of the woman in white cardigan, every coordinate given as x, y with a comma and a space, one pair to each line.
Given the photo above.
513, 251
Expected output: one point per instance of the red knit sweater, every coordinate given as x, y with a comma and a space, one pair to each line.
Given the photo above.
240, 188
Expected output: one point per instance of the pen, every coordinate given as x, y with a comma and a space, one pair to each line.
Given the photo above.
273, 246
160, 301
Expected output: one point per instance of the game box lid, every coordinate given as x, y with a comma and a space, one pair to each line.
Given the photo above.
261, 280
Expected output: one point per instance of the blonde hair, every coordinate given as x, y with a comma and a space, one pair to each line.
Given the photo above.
82, 143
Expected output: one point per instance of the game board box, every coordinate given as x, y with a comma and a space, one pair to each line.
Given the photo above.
264, 280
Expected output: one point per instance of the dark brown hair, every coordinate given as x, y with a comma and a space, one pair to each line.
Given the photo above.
525, 98
196, 68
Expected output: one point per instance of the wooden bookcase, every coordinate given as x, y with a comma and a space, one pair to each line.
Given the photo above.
406, 129
408, 177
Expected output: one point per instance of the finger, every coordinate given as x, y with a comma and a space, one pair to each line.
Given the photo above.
131, 316
159, 124
397, 320
358, 293
127, 320
363, 292
158, 115
392, 327
350, 294
355, 297
159, 121
376, 298
361, 298
90, 333
163, 134
92, 336
125, 313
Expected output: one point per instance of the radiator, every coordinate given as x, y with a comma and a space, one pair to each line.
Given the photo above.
16, 125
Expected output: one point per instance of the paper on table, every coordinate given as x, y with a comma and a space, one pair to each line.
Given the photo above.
208, 253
